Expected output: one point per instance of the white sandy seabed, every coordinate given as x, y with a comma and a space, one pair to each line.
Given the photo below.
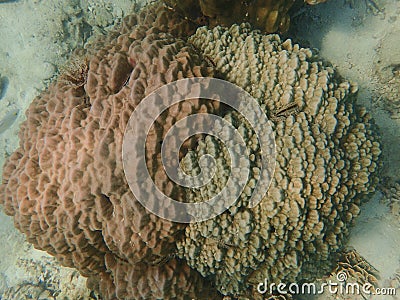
36, 37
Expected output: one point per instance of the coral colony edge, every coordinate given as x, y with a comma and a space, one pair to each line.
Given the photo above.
66, 189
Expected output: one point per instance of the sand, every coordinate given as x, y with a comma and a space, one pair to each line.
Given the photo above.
362, 41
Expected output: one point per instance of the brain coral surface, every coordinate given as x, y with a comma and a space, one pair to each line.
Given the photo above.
66, 189
65, 185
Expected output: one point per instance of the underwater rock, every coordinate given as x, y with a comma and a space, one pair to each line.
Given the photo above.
45, 279
266, 15
387, 72
392, 195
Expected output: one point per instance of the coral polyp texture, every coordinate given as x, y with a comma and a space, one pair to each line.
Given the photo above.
326, 154
267, 15
66, 189
65, 184
353, 269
